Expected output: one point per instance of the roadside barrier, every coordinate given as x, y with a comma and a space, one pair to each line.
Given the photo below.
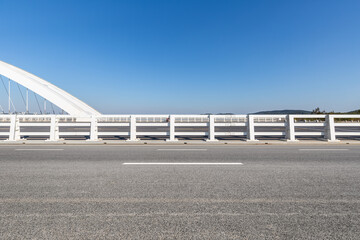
171, 127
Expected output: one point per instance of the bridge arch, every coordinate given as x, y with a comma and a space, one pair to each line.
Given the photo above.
52, 93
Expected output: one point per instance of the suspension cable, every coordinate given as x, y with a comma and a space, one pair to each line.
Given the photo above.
2, 80
22, 96
52, 107
37, 103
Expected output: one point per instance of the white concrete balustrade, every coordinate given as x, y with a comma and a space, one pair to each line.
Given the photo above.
208, 127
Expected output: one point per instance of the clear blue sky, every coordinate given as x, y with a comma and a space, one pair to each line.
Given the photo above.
190, 56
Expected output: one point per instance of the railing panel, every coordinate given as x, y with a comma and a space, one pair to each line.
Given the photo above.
170, 125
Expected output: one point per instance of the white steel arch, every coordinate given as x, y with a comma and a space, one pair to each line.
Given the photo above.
57, 96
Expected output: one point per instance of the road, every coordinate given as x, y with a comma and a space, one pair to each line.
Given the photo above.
222, 192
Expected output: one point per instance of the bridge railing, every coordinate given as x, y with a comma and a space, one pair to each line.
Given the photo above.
171, 127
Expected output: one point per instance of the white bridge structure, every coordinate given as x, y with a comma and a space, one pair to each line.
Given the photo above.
84, 122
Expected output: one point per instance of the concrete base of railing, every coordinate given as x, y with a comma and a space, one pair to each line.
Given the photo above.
180, 142
133, 140
93, 140
172, 140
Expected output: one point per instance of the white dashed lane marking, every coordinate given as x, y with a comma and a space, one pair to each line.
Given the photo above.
182, 163
182, 149
38, 149
324, 149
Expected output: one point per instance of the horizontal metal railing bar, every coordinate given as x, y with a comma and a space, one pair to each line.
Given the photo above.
151, 116
191, 124
119, 115
34, 116
230, 133
268, 115
191, 133
270, 133
309, 133
34, 124
189, 116
113, 133
346, 116
74, 133
302, 116
76, 124
230, 124
347, 133
153, 133
113, 124
270, 124
34, 133
309, 124
152, 124
347, 124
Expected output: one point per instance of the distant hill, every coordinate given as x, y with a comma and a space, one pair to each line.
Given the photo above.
289, 111
354, 112
284, 112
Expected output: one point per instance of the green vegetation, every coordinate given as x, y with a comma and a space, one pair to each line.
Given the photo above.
318, 111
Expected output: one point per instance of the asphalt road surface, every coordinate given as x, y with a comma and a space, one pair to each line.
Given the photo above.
180, 192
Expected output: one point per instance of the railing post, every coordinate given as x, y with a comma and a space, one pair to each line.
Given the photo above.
171, 129
290, 129
250, 129
94, 129
330, 129
211, 130
132, 129
14, 133
54, 129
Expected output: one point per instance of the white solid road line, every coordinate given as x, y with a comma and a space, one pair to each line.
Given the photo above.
182, 149
34, 149
182, 163
324, 149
